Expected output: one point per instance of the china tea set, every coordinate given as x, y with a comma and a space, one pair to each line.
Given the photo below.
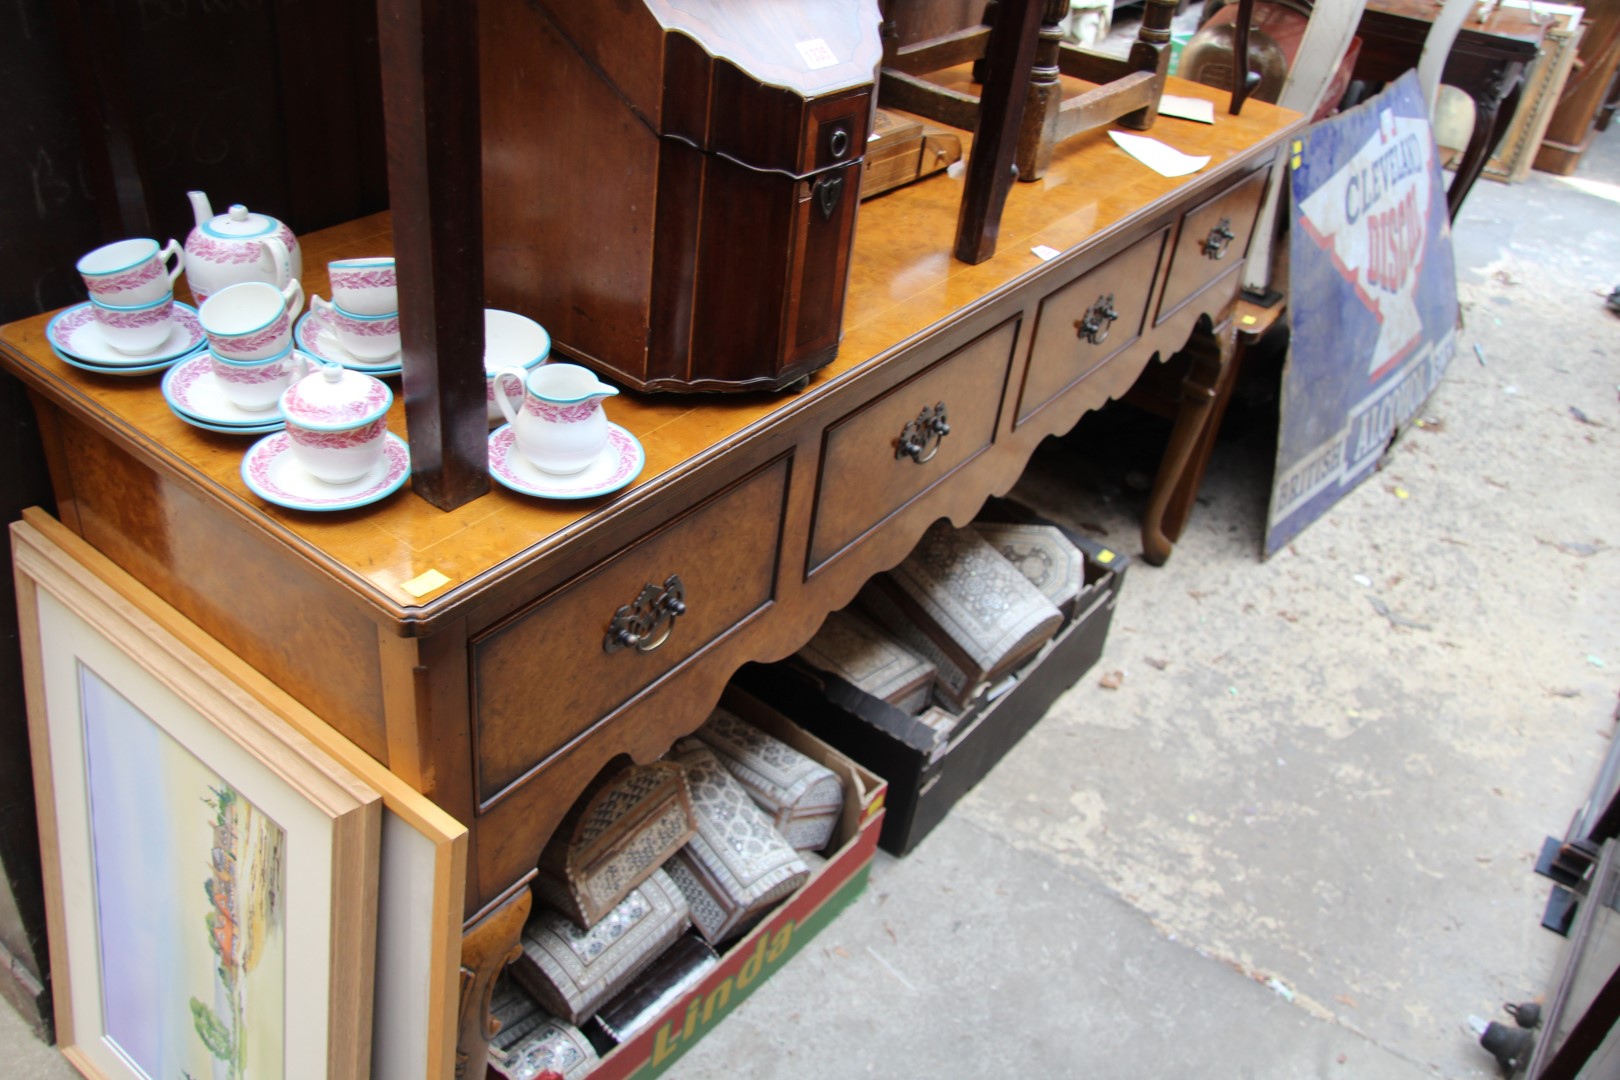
244, 362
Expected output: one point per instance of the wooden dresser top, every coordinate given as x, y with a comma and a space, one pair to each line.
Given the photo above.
903, 281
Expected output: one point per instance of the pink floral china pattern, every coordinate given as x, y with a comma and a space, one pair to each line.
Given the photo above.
338, 440
134, 320
370, 278
77, 333
253, 343
560, 414
317, 336
620, 462
271, 472
193, 392
107, 289
295, 402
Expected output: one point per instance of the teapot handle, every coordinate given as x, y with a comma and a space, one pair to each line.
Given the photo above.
501, 398
280, 259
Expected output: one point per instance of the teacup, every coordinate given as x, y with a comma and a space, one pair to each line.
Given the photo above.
251, 320
136, 330
510, 340
131, 273
256, 385
367, 338
337, 422
365, 286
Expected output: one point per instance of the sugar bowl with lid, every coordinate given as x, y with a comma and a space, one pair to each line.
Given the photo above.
337, 422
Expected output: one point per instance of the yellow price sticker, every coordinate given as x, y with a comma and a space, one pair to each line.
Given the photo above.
422, 584
1105, 556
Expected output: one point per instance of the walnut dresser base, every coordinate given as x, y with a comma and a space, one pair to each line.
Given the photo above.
476, 652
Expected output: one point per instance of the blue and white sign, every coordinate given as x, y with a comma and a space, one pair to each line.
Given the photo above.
1372, 299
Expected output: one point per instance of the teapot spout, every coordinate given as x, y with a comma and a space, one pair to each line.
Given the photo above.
200, 209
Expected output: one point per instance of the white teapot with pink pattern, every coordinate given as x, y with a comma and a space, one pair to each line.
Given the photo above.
224, 249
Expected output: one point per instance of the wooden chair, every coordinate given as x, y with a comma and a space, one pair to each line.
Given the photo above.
1128, 93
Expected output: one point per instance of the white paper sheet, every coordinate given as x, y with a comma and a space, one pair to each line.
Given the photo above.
1162, 159
1187, 108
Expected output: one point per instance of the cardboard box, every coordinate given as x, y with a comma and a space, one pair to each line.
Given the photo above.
751, 961
923, 782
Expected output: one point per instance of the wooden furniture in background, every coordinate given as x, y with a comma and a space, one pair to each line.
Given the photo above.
1487, 61
1544, 81
1572, 129
492, 691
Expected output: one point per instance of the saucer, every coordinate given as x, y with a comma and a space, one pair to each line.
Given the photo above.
109, 369
619, 463
318, 337
76, 334
192, 389
270, 472
231, 429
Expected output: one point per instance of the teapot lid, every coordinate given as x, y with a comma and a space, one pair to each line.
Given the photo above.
237, 223
334, 398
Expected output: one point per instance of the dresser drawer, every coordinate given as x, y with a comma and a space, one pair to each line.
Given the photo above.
554, 669
1082, 325
1213, 239
877, 460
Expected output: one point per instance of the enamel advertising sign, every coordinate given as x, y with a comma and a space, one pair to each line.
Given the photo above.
1373, 300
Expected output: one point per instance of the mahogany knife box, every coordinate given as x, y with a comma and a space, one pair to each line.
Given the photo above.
670, 186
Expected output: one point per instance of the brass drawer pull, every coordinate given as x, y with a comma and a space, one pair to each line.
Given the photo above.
1219, 237
920, 438
1098, 321
647, 622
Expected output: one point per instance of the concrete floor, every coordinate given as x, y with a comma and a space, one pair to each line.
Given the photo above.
1296, 841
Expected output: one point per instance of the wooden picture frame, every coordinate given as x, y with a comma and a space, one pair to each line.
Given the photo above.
399, 879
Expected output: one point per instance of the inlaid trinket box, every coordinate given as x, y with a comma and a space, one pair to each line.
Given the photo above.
968, 610
571, 971
865, 656
677, 970
802, 797
1043, 555
531, 1043
737, 865
613, 839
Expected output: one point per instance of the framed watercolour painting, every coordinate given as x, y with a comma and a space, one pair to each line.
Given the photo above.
211, 873
423, 863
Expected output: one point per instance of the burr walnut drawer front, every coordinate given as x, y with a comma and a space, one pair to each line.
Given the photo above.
878, 459
552, 670
1213, 239
1081, 326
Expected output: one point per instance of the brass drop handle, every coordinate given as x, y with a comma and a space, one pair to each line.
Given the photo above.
646, 622
1098, 321
920, 438
1219, 237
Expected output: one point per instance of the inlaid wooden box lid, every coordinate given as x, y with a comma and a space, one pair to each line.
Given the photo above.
531, 1043
871, 660
964, 607
802, 797
571, 971
737, 865
1043, 555
613, 839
